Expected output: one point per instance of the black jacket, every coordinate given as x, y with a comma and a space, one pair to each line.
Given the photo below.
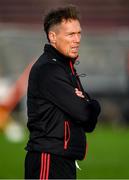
57, 117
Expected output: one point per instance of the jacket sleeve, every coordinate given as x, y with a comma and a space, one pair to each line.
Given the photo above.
55, 86
94, 113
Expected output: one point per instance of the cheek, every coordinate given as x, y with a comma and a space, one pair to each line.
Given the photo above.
64, 44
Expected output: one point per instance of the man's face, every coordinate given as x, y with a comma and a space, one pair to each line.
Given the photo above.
67, 38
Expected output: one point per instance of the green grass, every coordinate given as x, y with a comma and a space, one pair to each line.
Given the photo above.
107, 156
11, 159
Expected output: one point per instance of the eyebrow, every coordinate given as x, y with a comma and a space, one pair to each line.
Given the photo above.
74, 32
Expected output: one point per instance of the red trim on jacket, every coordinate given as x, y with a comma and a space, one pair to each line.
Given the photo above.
66, 134
72, 69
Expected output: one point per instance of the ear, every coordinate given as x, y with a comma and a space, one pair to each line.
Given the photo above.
52, 37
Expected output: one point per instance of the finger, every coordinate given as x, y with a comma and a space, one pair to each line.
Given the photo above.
79, 92
80, 95
76, 89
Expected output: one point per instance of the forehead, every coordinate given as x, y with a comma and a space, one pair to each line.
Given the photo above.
70, 25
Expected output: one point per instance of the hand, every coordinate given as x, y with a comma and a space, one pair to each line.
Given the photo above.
79, 93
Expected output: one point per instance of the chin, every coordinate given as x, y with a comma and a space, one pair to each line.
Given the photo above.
74, 55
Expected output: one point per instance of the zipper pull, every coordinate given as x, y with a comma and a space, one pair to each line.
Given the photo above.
77, 166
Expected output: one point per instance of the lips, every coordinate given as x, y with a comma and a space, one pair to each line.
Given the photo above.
75, 49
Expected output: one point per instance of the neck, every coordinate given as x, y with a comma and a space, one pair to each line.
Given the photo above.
57, 54
66, 56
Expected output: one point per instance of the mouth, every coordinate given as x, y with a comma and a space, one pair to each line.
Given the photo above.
75, 49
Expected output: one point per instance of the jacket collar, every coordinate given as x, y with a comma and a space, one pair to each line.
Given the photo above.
55, 54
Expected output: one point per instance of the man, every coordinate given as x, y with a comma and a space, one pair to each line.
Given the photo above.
59, 111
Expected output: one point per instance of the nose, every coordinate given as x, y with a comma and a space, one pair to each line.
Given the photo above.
77, 38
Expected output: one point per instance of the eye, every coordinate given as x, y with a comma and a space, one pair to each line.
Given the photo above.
79, 33
74, 34
71, 34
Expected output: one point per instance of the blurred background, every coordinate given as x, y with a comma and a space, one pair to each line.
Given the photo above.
103, 68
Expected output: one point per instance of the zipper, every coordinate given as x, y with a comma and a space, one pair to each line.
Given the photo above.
66, 134
79, 87
74, 74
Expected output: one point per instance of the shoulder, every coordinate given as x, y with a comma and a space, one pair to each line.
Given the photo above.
51, 71
47, 69
45, 62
